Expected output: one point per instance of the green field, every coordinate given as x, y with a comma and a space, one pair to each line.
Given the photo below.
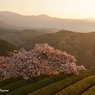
62, 84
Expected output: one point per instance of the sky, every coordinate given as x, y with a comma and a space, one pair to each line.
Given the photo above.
75, 9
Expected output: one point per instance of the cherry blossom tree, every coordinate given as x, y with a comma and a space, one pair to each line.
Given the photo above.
42, 60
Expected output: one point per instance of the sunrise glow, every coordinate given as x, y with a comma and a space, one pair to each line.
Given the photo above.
55, 8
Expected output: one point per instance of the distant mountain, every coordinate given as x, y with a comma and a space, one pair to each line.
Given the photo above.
89, 19
78, 44
5, 47
44, 21
4, 25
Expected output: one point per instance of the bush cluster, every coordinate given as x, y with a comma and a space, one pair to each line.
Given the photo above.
79, 87
90, 91
37, 85
56, 87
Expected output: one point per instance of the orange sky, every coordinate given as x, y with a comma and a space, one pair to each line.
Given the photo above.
55, 8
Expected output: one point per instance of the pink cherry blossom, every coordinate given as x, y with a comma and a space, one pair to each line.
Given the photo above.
42, 60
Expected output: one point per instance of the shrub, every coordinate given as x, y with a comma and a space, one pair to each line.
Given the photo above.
13, 86
11, 83
79, 87
7, 81
35, 86
38, 78
90, 91
55, 87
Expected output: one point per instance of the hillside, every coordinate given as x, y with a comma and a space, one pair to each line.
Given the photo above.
5, 47
44, 21
3, 25
18, 37
78, 44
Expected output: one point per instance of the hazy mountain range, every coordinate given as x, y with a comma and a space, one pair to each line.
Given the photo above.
17, 21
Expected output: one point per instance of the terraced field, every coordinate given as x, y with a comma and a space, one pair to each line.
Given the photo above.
63, 84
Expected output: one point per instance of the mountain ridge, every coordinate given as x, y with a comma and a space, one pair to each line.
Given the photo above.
44, 21
44, 15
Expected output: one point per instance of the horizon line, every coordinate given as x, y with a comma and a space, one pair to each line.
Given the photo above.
51, 16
